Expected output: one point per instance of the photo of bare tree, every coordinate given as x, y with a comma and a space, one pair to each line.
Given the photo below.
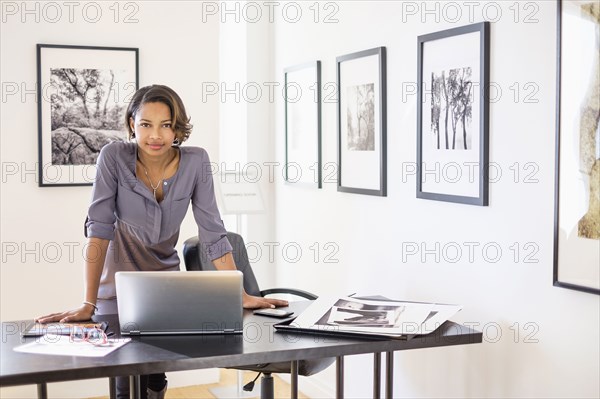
362, 122
453, 114
360, 117
451, 109
83, 92
86, 113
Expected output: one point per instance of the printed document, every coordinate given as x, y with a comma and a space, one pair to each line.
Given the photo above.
64, 345
379, 317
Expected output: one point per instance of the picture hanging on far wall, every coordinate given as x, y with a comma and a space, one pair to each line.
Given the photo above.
303, 124
453, 114
577, 194
83, 93
361, 83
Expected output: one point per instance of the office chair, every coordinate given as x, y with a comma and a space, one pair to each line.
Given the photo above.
195, 259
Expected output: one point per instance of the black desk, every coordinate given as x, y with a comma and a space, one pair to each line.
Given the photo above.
259, 344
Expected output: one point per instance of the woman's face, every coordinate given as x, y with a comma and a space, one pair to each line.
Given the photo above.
153, 129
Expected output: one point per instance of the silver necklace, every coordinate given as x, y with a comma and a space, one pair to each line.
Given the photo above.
161, 179
157, 184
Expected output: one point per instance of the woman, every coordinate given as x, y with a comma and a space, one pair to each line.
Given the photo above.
140, 196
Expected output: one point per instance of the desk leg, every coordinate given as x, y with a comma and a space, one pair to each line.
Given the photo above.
134, 387
389, 375
42, 390
377, 375
339, 379
294, 380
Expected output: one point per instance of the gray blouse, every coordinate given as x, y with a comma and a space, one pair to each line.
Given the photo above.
144, 232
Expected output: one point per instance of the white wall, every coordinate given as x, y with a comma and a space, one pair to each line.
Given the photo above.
175, 49
245, 143
557, 353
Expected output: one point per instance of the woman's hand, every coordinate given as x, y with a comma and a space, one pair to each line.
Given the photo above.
258, 302
83, 313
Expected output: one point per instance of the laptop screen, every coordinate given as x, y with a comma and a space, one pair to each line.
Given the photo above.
190, 302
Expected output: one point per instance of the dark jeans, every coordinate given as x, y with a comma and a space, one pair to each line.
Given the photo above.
155, 382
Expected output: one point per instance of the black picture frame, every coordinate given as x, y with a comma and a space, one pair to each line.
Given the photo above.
303, 124
576, 251
454, 172
362, 161
82, 92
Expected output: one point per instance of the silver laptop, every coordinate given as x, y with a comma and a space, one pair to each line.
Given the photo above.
192, 302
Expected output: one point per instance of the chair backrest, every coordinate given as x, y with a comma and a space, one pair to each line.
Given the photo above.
195, 258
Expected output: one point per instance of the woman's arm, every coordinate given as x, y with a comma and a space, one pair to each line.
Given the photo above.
226, 262
95, 255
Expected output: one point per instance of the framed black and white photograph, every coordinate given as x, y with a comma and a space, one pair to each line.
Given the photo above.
83, 93
453, 115
303, 124
362, 152
577, 194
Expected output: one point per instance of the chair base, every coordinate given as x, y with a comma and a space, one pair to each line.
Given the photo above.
267, 390
235, 391
232, 391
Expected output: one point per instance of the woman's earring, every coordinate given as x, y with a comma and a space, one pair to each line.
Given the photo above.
176, 142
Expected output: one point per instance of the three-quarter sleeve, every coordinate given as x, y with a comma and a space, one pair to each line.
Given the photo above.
211, 230
101, 213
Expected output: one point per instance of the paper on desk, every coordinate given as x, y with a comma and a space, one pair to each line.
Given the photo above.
391, 318
63, 345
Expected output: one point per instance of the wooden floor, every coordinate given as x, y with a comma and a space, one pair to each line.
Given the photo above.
228, 379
